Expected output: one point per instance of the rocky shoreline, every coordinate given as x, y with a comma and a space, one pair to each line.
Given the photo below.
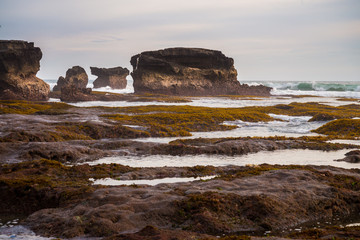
58, 200
241, 200
46, 148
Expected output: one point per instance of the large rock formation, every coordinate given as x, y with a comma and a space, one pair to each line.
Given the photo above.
113, 77
189, 71
75, 76
19, 63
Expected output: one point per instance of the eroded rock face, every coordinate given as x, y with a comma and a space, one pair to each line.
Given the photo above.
75, 76
188, 71
19, 63
113, 77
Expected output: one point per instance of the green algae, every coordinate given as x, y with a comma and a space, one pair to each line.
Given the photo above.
166, 121
341, 128
312, 109
181, 120
27, 107
29, 186
67, 131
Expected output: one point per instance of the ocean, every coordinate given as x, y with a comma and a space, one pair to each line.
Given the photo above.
323, 89
349, 89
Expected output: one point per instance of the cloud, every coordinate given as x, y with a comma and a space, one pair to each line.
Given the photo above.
263, 36
106, 39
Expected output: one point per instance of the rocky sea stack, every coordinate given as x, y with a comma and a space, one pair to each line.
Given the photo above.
73, 86
189, 71
112, 77
75, 76
19, 63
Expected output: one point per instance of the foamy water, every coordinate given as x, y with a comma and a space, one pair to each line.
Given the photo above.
324, 89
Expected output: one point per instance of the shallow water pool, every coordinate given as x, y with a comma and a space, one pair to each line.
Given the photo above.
283, 157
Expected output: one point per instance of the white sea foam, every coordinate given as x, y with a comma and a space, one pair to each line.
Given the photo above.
315, 88
129, 87
316, 93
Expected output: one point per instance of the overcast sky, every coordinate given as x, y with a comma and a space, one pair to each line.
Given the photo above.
302, 40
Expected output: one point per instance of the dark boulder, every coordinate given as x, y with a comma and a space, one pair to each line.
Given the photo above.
189, 71
19, 63
75, 76
71, 93
351, 157
113, 77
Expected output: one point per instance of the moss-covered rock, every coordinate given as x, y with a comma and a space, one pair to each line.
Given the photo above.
341, 128
26, 107
29, 186
181, 120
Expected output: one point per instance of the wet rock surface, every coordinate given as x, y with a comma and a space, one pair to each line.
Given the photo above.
351, 157
189, 72
72, 135
59, 200
273, 200
71, 93
112, 77
19, 63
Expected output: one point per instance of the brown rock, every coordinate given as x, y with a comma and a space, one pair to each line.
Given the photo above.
322, 117
19, 63
75, 76
351, 157
189, 71
71, 93
113, 77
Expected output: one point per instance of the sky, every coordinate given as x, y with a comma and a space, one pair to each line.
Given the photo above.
283, 40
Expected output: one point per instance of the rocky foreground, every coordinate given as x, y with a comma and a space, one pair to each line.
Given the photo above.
58, 200
61, 132
240, 201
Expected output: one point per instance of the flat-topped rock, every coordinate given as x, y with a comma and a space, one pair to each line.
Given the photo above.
112, 77
188, 71
19, 63
75, 76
